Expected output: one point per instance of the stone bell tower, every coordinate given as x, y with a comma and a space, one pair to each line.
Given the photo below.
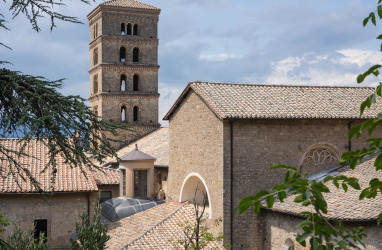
124, 65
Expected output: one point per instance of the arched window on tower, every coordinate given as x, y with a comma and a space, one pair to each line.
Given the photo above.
135, 30
135, 55
128, 30
95, 110
122, 54
95, 56
122, 29
135, 82
95, 84
135, 113
123, 113
123, 82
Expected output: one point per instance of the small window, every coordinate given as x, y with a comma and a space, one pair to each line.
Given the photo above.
135, 55
95, 56
123, 113
123, 182
95, 110
123, 83
40, 227
135, 82
122, 28
95, 84
135, 30
122, 54
105, 195
128, 30
135, 113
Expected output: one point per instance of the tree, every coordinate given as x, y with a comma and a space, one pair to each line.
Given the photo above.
91, 235
196, 234
321, 233
31, 107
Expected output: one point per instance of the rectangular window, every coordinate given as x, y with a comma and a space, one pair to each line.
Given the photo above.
40, 227
140, 183
123, 182
105, 195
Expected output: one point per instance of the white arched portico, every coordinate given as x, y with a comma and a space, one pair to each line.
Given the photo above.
187, 192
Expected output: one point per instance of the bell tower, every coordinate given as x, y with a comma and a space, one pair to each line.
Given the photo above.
124, 65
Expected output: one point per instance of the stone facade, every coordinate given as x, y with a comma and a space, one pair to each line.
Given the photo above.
200, 143
60, 210
124, 68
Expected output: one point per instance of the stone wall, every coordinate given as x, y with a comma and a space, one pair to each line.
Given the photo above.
61, 212
259, 144
196, 146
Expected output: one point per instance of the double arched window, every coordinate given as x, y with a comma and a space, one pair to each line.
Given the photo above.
95, 84
123, 83
135, 82
135, 55
123, 113
122, 54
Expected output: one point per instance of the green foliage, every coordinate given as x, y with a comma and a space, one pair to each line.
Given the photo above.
31, 108
24, 240
316, 229
91, 235
3, 222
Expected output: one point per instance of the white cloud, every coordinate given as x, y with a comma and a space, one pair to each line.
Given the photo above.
335, 68
168, 95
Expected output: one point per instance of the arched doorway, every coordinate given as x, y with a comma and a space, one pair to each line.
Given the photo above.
193, 188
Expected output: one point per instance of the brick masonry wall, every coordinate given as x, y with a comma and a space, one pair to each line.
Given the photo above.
114, 189
196, 145
259, 144
61, 212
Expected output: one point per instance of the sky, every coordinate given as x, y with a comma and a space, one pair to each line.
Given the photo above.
290, 42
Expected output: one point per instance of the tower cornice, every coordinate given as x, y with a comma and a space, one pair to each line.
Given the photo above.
125, 66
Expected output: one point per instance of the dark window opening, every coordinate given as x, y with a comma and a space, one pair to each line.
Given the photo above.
105, 195
135, 111
128, 31
95, 110
122, 54
41, 227
140, 183
95, 56
135, 31
135, 82
95, 84
123, 113
123, 83
135, 55
123, 182
122, 28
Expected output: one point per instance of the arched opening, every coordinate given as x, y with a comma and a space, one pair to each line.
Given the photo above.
128, 30
122, 54
123, 29
135, 113
135, 82
135, 30
123, 113
123, 82
194, 189
135, 55
95, 109
319, 157
95, 56
95, 84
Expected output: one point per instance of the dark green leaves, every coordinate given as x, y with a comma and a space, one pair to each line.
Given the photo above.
371, 70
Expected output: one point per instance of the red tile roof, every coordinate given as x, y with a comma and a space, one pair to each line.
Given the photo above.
67, 179
129, 4
106, 176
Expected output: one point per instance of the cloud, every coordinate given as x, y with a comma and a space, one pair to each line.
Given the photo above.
218, 57
337, 68
168, 95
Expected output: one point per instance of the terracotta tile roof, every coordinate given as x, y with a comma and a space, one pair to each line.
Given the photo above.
66, 179
341, 205
153, 228
106, 176
154, 144
129, 4
254, 101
